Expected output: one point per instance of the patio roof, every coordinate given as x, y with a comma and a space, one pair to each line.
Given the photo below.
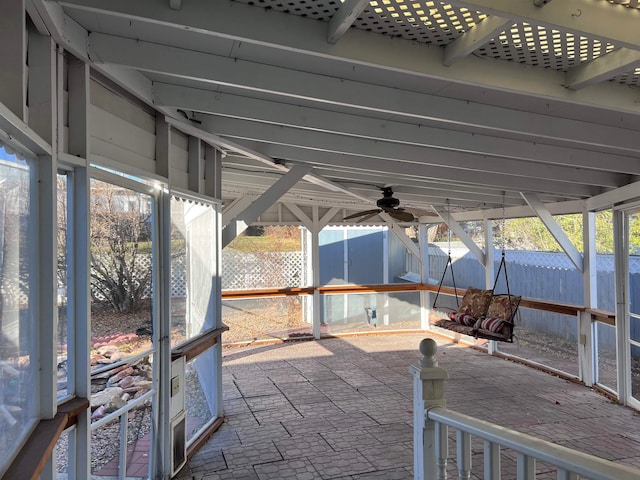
463, 104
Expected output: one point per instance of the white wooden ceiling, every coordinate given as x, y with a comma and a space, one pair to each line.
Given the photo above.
459, 103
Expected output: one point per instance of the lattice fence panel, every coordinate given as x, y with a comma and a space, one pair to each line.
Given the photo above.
245, 271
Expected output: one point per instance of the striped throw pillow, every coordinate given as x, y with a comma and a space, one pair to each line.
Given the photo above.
463, 318
493, 324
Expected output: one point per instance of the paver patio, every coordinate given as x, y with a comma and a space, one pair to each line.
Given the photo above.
341, 408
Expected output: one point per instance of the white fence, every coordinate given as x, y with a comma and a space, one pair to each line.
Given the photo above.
240, 271
431, 438
246, 271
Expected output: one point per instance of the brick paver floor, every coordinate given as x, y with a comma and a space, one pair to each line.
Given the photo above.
341, 408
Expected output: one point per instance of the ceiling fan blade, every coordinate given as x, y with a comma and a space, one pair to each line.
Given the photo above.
360, 214
368, 216
417, 212
401, 215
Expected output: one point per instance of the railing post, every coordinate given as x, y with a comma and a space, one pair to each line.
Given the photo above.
428, 392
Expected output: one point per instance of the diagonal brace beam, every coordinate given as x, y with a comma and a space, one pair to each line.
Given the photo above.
462, 235
343, 18
399, 233
555, 229
264, 201
235, 208
603, 68
303, 217
479, 35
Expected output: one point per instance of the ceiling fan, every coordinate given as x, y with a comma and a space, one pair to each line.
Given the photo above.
388, 204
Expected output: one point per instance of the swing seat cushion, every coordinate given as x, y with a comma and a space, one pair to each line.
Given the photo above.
475, 302
454, 326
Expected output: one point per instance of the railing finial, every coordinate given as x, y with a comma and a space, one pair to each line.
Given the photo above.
428, 348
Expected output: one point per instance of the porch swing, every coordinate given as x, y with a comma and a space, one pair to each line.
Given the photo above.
481, 313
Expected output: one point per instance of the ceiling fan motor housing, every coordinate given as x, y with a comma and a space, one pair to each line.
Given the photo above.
387, 201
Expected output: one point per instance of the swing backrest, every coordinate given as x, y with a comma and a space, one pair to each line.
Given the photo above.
498, 322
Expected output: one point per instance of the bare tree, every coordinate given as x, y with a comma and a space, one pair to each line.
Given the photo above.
120, 229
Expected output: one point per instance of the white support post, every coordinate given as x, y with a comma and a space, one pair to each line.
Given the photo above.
217, 286
586, 344
620, 252
13, 56
79, 308
425, 295
212, 172
161, 256
163, 147
385, 279
43, 99
42, 87
315, 226
428, 393
489, 269
194, 165
316, 316
43, 93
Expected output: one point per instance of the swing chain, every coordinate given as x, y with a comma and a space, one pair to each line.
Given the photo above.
503, 225
448, 227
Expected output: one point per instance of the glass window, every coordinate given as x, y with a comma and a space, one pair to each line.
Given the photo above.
193, 269
547, 338
604, 261
264, 318
122, 326
18, 373
370, 312
63, 381
200, 396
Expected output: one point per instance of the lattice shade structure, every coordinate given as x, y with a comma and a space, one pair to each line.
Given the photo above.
305, 8
428, 22
631, 78
540, 46
439, 23
626, 3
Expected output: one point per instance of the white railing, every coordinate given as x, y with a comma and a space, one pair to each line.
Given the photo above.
431, 440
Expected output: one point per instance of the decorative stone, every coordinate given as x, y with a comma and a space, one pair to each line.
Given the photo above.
107, 350
117, 356
110, 373
109, 398
95, 358
119, 376
98, 413
130, 381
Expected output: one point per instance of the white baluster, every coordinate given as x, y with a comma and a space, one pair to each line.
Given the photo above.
566, 475
463, 447
491, 461
526, 467
442, 449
